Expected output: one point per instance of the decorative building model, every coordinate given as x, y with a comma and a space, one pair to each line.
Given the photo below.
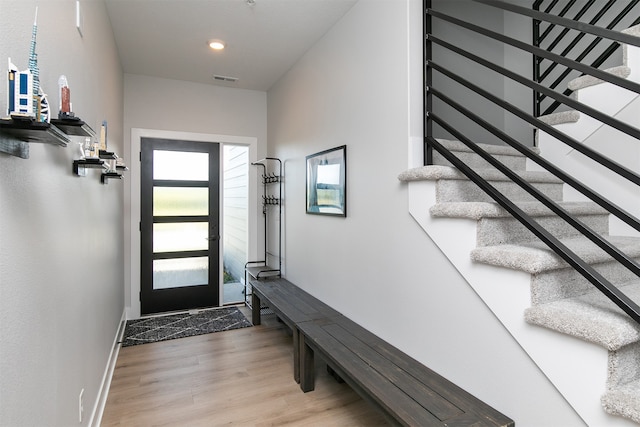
25, 97
65, 99
20, 92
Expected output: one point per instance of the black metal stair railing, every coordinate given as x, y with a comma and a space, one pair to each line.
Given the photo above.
437, 98
548, 36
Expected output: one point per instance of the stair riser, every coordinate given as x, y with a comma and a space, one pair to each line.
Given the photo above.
476, 162
566, 283
466, 191
621, 397
497, 231
611, 403
624, 366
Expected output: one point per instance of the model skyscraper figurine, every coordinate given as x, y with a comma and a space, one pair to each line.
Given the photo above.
25, 97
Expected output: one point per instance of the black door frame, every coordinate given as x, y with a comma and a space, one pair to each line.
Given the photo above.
182, 298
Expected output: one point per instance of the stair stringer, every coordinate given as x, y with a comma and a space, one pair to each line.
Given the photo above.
576, 368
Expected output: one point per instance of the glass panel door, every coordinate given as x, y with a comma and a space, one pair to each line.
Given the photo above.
179, 225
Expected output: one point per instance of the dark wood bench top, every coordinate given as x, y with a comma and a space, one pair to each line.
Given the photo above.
408, 392
411, 393
292, 304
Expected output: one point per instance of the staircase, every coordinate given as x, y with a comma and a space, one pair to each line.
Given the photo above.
555, 296
587, 346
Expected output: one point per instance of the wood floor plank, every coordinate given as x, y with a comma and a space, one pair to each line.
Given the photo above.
242, 377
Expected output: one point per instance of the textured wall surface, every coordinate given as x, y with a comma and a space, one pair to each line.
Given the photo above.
61, 246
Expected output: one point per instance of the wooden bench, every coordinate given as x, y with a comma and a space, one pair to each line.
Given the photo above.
292, 305
406, 391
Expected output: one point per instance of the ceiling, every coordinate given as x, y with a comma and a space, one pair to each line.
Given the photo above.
264, 38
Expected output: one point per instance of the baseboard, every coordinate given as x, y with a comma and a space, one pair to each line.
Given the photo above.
101, 400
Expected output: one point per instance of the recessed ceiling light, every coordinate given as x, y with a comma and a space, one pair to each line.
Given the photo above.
216, 44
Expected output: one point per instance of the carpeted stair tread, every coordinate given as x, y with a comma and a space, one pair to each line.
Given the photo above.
561, 117
493, 149
623, 401
591, 317
478, 210
536, 257
587, 80
437, 172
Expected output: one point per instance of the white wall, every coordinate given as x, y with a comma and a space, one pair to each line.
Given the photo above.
235, 238
155, 107
376, 265
61, 247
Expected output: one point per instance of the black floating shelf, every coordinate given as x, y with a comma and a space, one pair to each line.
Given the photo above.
74, 126
106, 176
86, 163
15, 136
32, 131
107, 154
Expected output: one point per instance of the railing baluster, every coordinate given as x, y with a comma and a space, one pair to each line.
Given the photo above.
551, 6
627, 84
562, 13
580, 26
547, 22
564, 31
588, 50
607, 288
602, 160
619, 256
576, 40
427, 99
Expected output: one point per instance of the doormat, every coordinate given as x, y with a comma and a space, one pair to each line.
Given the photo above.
163, 328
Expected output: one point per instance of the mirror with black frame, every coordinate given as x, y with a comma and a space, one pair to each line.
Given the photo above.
326, 182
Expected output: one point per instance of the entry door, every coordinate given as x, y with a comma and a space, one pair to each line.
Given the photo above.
179, 227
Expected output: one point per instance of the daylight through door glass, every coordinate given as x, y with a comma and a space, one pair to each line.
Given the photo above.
180, 211
180, 201
180, 165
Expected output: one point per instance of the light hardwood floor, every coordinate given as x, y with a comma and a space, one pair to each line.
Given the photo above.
242, 377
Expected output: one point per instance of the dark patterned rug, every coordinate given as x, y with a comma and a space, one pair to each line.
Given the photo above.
162, 328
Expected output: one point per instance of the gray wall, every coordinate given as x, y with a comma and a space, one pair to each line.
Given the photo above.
376, 265
61, 246
513, 59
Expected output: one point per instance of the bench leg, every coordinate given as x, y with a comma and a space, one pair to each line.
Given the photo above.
307, 366
255, 309
334, 374
296, 354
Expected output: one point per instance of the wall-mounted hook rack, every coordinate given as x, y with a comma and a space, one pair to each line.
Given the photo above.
267, 265
270, 178
270, 200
